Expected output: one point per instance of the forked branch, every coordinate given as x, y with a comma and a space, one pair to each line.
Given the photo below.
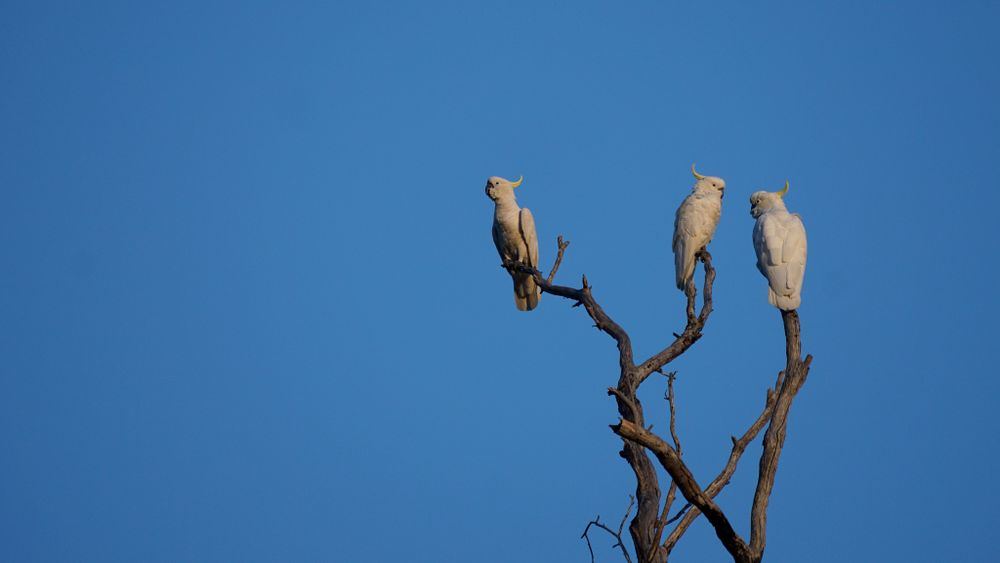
647, 526
720, 481
664, 520
687, 484
693, 328
617, 535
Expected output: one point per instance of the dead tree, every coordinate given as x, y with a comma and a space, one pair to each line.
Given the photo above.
652, 516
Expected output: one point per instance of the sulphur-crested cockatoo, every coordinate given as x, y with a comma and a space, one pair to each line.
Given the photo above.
695, 224
514, 235
779, 237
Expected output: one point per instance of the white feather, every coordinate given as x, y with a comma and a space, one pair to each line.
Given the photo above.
516, 240
779, 240
695, 224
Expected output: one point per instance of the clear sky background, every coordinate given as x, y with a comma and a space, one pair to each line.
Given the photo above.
251, 310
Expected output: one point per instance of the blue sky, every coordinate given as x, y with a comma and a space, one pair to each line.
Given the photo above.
252, 312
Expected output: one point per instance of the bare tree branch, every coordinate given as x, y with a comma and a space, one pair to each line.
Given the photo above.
692, 331
559, 256
688, 486
720, 482
625, 399
796, 371
681, 512
673, 411
647, 490
618, 535
662, 521
647, 526
584, 296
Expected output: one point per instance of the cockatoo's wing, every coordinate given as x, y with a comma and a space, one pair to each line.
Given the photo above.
682, 243
526, 291
694, 226
498, 240
527, 226
780, 243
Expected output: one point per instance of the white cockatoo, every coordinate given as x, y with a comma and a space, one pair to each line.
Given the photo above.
779, 237
515, 238
695, 224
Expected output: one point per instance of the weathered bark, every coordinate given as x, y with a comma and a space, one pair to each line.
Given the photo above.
796, 371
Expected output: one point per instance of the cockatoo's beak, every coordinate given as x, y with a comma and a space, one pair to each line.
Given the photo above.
696, 174
517, 183
783, 190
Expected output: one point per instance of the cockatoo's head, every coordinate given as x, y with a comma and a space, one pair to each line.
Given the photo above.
708, 184
498, 188
762, 202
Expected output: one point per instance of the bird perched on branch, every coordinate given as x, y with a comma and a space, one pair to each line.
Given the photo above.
515, 238
779, 237
695, 224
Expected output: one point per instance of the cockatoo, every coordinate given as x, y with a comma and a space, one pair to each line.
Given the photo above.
779, 237
515, 238
695, 224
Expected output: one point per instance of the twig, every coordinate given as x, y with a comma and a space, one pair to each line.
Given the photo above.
673, 411
662, 521
584, 296
617, 535
631, 503
706, 307
587, 537
559, 257
680, 513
